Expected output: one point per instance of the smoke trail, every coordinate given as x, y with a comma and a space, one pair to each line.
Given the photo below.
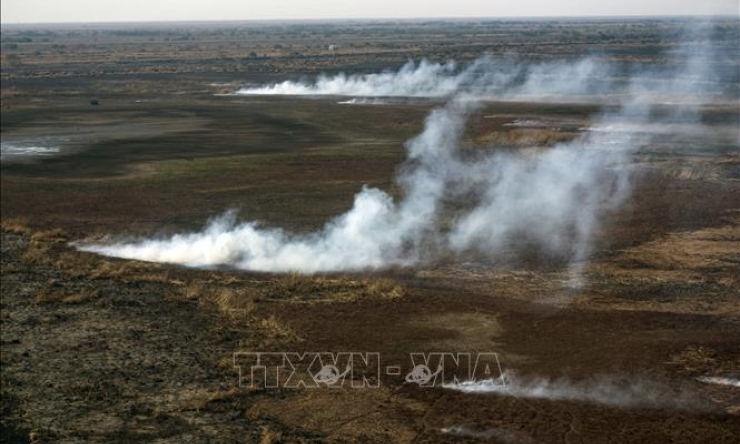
719, 380
554, 199
616, 391
564, 186
414, 80
503, 435
15, 149
356, 101
505, 78
375, 233
485, 76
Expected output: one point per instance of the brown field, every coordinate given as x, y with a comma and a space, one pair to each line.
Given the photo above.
97, 349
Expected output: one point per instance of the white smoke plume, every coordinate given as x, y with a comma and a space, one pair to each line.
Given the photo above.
485, 76
615, 391
554, 198
720, 380
363, 101
377, 232
506, 78
413, 80
19, 149
502, 435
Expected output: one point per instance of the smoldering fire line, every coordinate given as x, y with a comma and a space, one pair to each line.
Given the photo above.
556, 198
564, 187
493, 77
615, 390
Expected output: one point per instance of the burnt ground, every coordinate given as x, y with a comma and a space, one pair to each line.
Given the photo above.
106, 351
103, 350
100, 350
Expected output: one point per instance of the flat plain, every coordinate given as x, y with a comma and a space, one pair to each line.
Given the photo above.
97, 349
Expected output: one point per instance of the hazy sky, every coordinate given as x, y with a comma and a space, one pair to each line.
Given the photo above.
30, 11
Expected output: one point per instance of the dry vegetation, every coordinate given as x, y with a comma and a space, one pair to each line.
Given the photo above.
237, 299
524, 138
240, 306
104, 350
15, 226
54, 291
228, 51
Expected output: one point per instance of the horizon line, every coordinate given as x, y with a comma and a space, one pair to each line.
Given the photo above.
376, 19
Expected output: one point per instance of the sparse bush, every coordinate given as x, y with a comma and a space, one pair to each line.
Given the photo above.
194, 290
267, 436
695, 360
37, 253
295, 283
15, 226
84, 295
294, 286
272, 330
385, 288
235, 303
40, 248
134, 271
54, 235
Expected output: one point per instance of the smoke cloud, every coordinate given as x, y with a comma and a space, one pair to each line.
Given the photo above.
19, 149
503, 435
554, 198
719, 380
485, 76
515, 194
698, 59
615, 391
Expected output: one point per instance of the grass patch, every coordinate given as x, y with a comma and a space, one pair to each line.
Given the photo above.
133, 271
37, 253
55, 235
267, 436
235, 303
524, 137
272, 330
296, 287
232, 294
695, 360
84, 295
15, 225
54, 292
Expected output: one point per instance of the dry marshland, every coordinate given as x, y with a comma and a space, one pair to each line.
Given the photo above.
101, 349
